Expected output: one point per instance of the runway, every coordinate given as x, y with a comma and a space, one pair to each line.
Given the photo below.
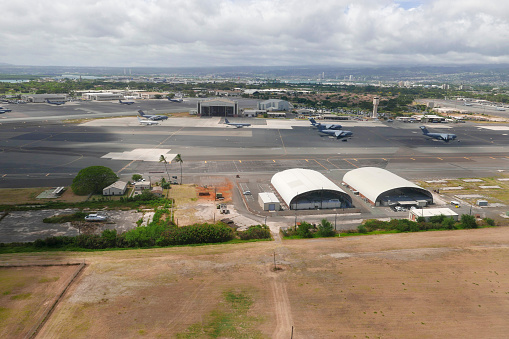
49, 152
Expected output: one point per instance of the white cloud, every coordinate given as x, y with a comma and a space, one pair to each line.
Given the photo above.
182, 33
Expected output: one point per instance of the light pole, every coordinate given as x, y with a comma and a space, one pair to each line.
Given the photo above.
335, 219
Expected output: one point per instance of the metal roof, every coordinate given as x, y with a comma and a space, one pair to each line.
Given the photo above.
293, 182
371, 182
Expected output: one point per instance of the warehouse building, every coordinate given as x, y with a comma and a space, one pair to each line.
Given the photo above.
303, 189
218, 108
268, 201
103, 96
383, 188
117, 188
275, 105
39, 98
431, 212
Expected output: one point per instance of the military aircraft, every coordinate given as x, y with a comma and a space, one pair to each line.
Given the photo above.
55, 102
147, 122
152, 117
175, 99
126, 102
236, 124
327, 126
335, 133
439, 136
5, 110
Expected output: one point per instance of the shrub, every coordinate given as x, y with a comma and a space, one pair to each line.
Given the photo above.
255, 232
362, 229
468, 221
303, 230
325, 229
489, 221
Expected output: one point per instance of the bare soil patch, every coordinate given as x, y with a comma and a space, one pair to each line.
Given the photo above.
435, 284
26, 293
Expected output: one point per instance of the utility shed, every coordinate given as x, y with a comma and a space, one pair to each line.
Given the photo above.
117, 188
268, 201
383, 188
307, 189
431, 212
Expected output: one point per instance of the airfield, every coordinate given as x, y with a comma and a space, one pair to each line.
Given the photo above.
46, 145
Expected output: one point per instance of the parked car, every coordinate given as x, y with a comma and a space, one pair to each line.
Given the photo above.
95, 217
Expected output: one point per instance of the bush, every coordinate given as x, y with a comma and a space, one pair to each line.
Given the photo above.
362, 229
468, 221
489, 221
255, 232
304, 230
325, 229
196, 234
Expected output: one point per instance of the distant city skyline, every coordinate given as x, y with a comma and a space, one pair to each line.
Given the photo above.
201, 33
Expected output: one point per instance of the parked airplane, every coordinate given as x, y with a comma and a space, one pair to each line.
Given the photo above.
126, 102
327, 126
439, 136
152, 117
5, 110
175, 99
500, 109
236, 124
335, 133
147, 122
55, 102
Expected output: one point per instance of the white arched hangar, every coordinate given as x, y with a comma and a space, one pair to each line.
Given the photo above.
383, 188
303, 189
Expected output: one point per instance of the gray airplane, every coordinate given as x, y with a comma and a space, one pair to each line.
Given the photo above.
58, 103
126, 102
152, 117
236, 124
439, 136
327, 126
147, 122
335, 133
5, 110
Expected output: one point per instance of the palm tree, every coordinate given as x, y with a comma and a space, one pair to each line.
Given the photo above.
162, 158
178, 159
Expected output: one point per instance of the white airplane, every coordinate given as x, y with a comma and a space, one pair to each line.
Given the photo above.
500, 109
326, 126
147, 122
236, 124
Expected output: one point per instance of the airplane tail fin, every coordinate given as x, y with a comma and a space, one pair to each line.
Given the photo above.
119, 100
424, 130
141, 113
226, 121
313, 121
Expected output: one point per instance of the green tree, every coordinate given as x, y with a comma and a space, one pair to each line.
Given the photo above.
325, 229
178, 159
136, 177
468, 221
163, 159
92, 180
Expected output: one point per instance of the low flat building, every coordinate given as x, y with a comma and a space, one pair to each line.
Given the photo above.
275, 105
40, 98
117, 188
218, 108
427, 213
142, 185
103, 96
268, 201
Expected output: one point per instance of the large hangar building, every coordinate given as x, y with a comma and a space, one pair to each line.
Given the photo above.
218, 108
303, 189
383, 188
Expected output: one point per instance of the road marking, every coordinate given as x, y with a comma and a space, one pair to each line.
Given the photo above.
205, 161
320, 164
47, 174
384, 159
306, 160
466, 158
240, 161
492, 158
274, 160
351, 163
279, 131
412, 159
3, 176
440, 159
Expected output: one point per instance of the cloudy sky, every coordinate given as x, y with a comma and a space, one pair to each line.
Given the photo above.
185, 33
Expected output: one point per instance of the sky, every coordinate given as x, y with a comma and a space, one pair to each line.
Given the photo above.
204, 33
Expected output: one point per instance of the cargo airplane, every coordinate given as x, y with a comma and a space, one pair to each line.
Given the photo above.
126, 102
175, 99
55, 102
5, 110
152, 117
335, 133
236, 124
439, 136
326, 126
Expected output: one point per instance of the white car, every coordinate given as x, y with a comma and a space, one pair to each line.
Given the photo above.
95, 217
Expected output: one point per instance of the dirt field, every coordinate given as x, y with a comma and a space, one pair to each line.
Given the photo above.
13, 196
450, 284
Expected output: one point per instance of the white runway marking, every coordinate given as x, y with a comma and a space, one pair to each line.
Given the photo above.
495, 128
143, 154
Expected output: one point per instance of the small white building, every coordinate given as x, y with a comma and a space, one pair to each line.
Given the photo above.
268, 201
117, 188
275, 105
40, 98
142, 185
103, 96
427, 213
251, 113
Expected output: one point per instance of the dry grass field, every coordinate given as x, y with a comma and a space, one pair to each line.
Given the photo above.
449, 284
14, 196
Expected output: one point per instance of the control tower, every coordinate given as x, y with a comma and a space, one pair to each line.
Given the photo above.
376, 101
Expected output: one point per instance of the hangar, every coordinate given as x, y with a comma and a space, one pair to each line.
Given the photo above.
39, 98
383, 188
218, 108
303, 189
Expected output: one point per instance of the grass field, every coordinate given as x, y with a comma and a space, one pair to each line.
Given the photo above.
450, 284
